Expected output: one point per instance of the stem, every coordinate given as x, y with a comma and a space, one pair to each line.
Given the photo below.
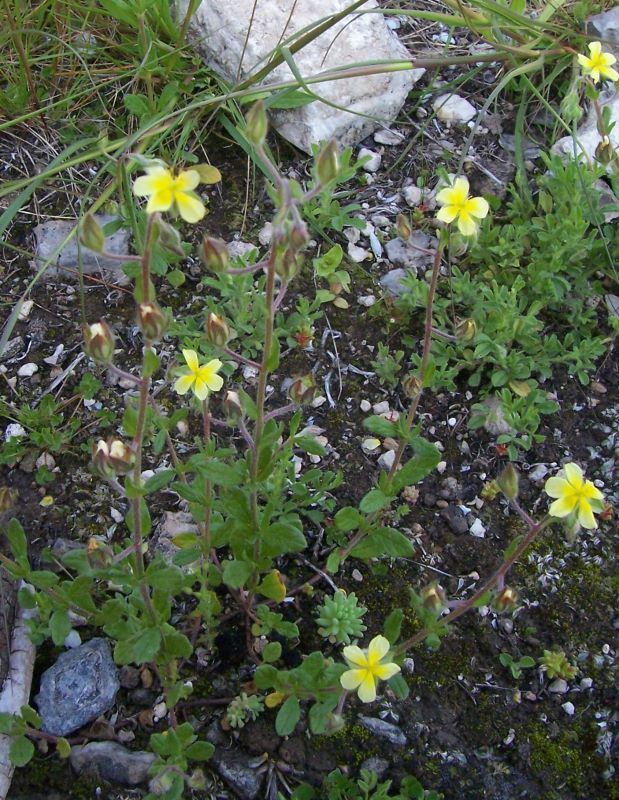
240, 359
493, 581
208, 486
146, 259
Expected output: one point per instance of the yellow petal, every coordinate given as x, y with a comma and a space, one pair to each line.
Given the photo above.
386, 671
562, 507
191, 357
607, 59
477, 207
556, 487
184, 384
159, 201
573, 475
595, 48
189, 206
466, 224
447, 213
215, 382
355, 655
461, 187
445, 196
378, 649
367, 689
144, 185
611, 74
585, 515
584, 61
200, 389
187, 180
352, 678
591, 492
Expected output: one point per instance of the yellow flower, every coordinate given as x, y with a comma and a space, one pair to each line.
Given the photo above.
367, 666
167, 191
575, 496
599, 65
457, 205
201, 378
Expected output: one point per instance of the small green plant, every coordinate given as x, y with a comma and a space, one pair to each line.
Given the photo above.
516, 667
387, 365
324, 210
556, 665
367, 786
328, 266
174, 749
340, 618
243, 709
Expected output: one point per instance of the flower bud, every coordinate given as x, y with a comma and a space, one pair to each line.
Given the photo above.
7, 498
508, 482
605, 153
412, 386
570, 107
334, 724
303, 390
152, 321
304, 336
215, 254
169, 238
98, 554
299, 235
257, 124
505, 600
99, 342
112, 458
197, 780
403, 227
327, 163
287, 264
433, 597
217, 330
233, 406
91, 233
466, 330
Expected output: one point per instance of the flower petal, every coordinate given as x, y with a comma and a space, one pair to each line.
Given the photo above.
611, 74
352, 679
562, 507
591, 492
445, 196
367, 689
145, 185
159, 201
584, 61
477, 207
378, 649
573, 475
191, 357
461, 186
447, 213
187, 180
556, 487
214, 382
386, 671
200, 389
184, 384
355, 655
466, 224
190, 207
585, 515
595, 48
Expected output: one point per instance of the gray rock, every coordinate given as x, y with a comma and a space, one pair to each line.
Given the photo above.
495, 422
237, 770
50, 236
455, 518
606, 27
384, 729
377, 765
172, 524
219, 30
81, 685
392, 282
110, 761
12, 348
587, 136
415, 254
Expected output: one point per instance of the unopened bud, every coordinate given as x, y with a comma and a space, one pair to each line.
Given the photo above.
505, 600
169, 238
287, 264
197, 780
233, 406
217, 330
112, 458
466, 330
91, 233
570, 107
433, 597
98, 554
215, 254
605, 153
412, 386
257, 124
403, 227
333, 724
299, 235
508, 482
99, 342
327, 163
7, 498
302, 390
152, 321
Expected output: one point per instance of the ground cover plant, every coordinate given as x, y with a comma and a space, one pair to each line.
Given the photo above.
303, 588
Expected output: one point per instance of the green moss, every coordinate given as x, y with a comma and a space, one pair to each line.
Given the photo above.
50, 775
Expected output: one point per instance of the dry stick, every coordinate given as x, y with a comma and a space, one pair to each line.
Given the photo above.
508, 562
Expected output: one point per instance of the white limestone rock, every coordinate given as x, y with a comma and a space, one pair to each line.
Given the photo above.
219, 30
587, 136
453, 109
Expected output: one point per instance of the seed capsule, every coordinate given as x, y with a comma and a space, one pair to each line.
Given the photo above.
99, 342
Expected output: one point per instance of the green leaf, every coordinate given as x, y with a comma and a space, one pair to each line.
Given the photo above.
287, 717
151, 362
236, 573
200, 751
30, 716
176, 278
6, 723
21, 751
426, 457
374, 500
271, 652
159, 480
399, 686
383, 542
272, 586
309, 445
380, 426
63, 748
221, 474
348, 519
392, 625
265, 677
26, 597
333, 562
281, 538
145, 645
17, 540
59, 626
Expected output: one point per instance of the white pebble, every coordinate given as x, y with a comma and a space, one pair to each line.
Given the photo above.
388, 137
72, 639
569, 708
24, 311
266, 233
116, 515
318, 401
367, 301
374, 159
357, 254
412, 195
381, 408
27, 370
453, 108
477, 529
14, 429
364, 405
386, 460
441, 467
558, 686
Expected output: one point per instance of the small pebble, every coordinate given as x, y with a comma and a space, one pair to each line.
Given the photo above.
386, 460
381, 408
374, 159
558, 686
364, 405
367, 300
569, 708
356, 575
369, 445
388, 137
357, 254
27, 370
72, 639
478, 529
